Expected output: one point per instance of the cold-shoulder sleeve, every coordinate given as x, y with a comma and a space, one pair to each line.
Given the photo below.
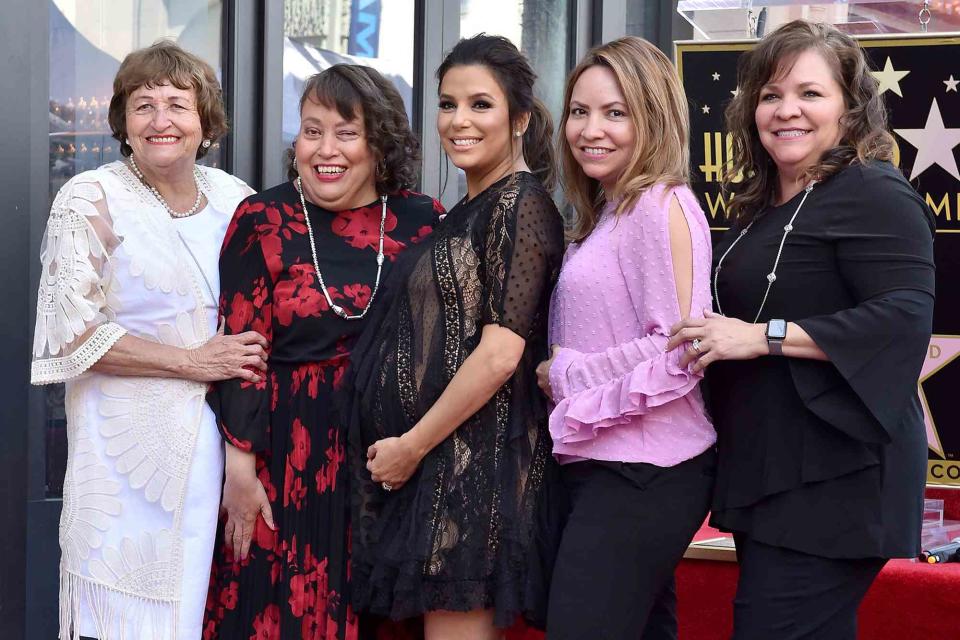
75, 326
522, 250
883, 243
246, 302
607, 387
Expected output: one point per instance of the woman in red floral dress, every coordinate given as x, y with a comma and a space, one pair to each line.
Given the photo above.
305, 282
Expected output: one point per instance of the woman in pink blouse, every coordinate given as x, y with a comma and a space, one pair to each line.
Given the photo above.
629, 425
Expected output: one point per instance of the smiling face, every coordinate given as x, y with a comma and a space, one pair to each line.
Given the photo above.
335, 163
798, 114
474, 125
163, 127
600, 134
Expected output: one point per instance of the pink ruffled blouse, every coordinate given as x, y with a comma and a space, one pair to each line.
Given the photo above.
620, 396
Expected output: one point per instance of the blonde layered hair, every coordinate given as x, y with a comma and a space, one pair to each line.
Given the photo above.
657, 107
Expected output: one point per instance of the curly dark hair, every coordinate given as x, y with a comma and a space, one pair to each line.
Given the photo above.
166, 62
863, 126
353, 90
516, 78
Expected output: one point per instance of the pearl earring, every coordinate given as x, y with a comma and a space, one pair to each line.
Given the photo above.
517, 133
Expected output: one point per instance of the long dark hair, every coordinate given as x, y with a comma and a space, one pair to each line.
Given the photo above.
863, 125
354, 89
516, 78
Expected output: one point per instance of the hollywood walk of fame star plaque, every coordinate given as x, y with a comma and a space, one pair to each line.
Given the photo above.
916, 75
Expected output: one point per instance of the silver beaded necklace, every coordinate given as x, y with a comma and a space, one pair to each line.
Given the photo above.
175, 214
337, 309
772, 276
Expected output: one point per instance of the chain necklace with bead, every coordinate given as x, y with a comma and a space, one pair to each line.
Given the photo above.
772, 276
337, 309
175, 214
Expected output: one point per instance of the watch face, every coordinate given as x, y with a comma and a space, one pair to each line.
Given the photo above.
776, 329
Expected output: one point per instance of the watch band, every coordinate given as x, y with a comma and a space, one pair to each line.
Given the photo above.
776, 334
775, 346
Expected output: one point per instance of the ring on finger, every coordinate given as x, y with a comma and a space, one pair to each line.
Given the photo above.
697, 346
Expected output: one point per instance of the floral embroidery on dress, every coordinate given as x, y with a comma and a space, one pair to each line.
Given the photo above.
142, 566
150, 427
89, 502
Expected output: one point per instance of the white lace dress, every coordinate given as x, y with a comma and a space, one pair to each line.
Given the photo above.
145, 460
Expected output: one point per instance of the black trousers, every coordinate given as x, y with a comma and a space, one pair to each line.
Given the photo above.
789, 595
629, 525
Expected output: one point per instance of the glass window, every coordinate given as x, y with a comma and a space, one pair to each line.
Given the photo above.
321, 33
88, 40
539, 28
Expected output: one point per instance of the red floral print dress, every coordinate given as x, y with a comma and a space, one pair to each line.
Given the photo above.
294, 584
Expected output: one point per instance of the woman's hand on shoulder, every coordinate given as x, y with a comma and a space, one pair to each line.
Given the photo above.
393, 460
716, 337
223, 357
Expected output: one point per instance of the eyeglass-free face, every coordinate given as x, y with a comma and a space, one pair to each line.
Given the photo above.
599, 131
798, 114
336, 165
163, 128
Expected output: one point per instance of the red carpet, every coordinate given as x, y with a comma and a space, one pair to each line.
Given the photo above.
908, 600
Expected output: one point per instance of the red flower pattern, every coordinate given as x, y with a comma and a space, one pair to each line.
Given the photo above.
290, 584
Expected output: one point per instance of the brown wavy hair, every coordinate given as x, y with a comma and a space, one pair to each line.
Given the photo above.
354, 89
657, 107
166, 62
863, 126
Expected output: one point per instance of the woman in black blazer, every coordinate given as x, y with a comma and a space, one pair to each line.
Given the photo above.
823, 292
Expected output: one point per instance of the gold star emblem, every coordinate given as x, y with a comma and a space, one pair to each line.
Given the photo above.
942, 351
889, 78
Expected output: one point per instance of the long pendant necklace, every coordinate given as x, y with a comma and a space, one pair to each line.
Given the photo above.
186, 214
772, 276
337, 309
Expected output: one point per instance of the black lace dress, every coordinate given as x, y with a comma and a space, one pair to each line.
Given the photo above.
472, 529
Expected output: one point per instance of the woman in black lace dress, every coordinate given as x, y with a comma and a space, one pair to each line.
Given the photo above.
446, 410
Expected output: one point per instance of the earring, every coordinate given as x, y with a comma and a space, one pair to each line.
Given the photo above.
518, 133
295, 163
126, 141
206, 143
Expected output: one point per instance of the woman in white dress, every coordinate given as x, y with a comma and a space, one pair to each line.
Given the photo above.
127, 317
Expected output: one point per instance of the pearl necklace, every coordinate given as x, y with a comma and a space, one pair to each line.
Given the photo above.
772, 276
337, 309
186, 214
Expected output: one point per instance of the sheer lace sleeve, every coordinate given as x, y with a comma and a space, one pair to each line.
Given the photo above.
524, 244
74, 317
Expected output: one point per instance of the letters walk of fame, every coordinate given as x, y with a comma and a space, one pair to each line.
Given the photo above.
918, 80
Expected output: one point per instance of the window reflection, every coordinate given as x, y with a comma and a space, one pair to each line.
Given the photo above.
88, 40
539, 28
321, 33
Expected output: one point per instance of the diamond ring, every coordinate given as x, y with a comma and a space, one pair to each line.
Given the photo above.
386, 486
696, 345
